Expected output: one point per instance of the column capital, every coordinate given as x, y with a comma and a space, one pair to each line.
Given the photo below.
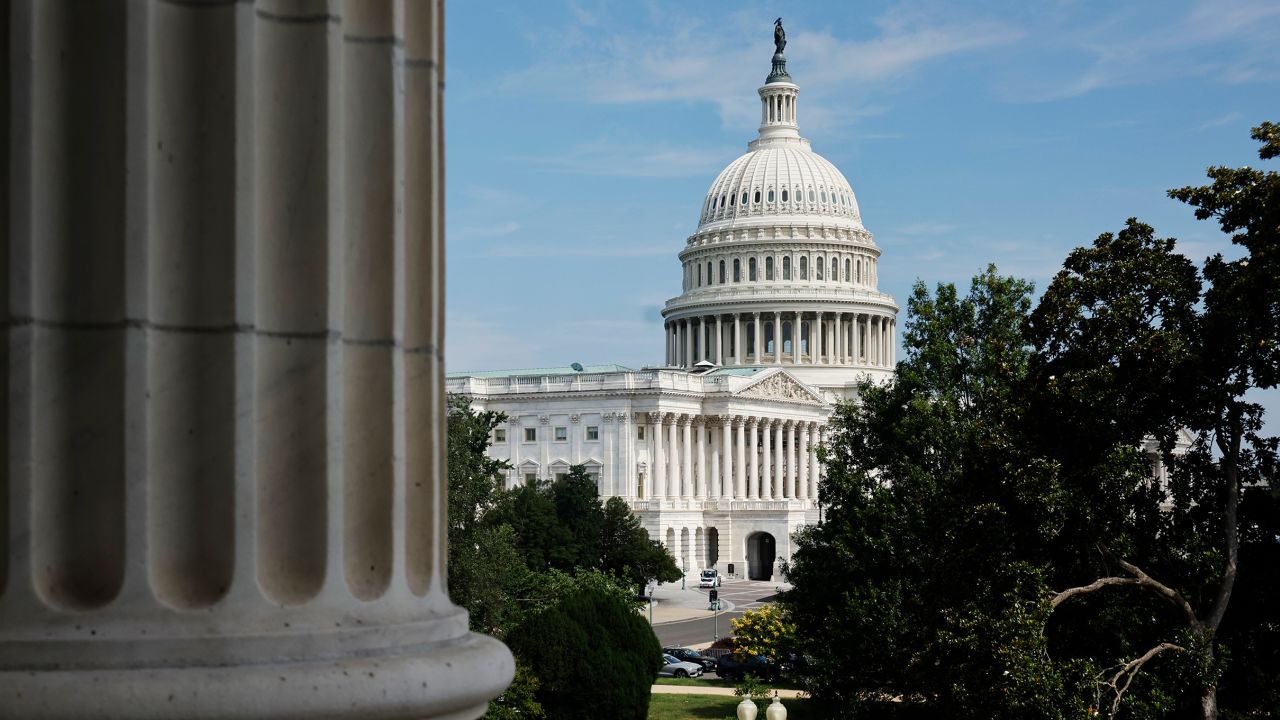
753, 421
623, 418
654, 417
607, 418
698, 420
575, 419
684, 420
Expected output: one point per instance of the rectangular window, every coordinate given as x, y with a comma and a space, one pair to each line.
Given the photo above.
593, 432
530, 478
639, 432
562, 434
531, 434
500, 435
560, 476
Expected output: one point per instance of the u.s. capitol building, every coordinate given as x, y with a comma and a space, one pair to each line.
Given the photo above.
778, 319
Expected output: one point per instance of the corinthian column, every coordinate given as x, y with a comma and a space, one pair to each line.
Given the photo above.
686, 457
699, 428
766, 463
802, 474
673, 455
790, 491
224, 493
753, 477
659, 456
740, 458
779, 461
814, 470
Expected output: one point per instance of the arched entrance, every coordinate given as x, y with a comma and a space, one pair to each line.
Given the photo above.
712, 548
761, 551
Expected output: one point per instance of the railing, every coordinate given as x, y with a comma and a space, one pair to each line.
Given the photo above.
638, 380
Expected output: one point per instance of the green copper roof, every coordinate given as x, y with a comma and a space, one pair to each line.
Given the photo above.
566, 370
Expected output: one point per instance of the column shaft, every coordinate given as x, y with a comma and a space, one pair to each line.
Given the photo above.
753, 476
719, 341
802, 474
713, 480
673, 456
686, 455
791, 461
659, 467
740, 459
726, 456
766, 463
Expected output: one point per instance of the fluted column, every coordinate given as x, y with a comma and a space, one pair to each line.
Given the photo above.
837, 345
737, 339
700, 428
688, 343
686, 456
224, 485
753, 477
779, 461
720, 341
726, 456
766, 463
739, 457
673, 455
758, 341
815, 472
713, 479
777, 337
803, 468
795, 338
659, 456
790, 491
815, 339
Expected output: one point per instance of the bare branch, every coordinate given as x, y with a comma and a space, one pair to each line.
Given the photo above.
1091, 587
1230, 511
1128, 671
1161, 589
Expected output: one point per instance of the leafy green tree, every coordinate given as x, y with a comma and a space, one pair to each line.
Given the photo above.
627, 552
579, 513
937, 524
593, 654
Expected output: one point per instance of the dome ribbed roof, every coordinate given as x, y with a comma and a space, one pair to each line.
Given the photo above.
753, 186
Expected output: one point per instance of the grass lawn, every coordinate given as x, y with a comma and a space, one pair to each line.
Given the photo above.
716, 682
713, 707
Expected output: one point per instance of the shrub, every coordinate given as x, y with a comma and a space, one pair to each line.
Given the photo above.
595, 657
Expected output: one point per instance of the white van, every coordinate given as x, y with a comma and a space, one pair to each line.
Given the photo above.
709, 579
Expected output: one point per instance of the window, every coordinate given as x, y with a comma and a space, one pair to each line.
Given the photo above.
721, 201
757, 197
737, 270
721, 272
731, 199
817, 268
500, 435
768, 268
710, 277
562, 434
699, 274
639, 432
811, 195
751, 269
744, 197
784, 196
848, 265
531, 434
824, 196
804, 268
859, 271
835, 269
770, 196
530, 478
786, 268
593, 432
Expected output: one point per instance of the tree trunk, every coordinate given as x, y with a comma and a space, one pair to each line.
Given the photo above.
1209, 703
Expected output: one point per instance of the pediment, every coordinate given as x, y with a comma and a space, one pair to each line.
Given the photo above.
780, 385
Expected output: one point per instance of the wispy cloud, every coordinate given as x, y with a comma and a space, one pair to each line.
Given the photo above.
681, 59
613, 159
1219, 121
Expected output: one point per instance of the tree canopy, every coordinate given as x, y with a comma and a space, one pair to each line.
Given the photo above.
1048, 512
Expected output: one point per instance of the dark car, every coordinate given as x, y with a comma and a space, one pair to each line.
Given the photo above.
691, 655
730, 668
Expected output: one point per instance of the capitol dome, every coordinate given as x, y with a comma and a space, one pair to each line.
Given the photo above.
781, 270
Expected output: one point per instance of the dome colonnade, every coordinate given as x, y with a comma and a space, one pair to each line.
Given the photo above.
224, 493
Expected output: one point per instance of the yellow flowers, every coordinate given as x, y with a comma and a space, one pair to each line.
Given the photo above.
763, 632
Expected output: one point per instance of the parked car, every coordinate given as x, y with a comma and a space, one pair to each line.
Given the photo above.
674, 667
709, 579
691, 655
760, 666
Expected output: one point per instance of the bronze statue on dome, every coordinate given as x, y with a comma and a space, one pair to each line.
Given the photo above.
779, 36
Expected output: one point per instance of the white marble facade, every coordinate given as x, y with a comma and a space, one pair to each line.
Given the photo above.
779, 317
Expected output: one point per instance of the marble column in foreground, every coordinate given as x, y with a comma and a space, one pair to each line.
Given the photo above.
224, 487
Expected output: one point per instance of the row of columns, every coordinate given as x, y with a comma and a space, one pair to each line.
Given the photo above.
734, 457
739, 339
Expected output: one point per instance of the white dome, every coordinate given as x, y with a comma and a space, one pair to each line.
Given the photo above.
779, 180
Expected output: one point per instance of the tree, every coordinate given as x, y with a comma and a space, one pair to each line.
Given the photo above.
594, 656
936, 527
577, 506
627, 552
1125, 331
765, 631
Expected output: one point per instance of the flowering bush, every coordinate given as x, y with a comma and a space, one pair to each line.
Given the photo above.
766, 632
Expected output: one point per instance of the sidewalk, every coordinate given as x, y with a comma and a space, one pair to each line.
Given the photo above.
671, 604
711, 690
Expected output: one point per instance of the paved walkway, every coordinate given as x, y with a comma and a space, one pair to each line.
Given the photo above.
712, 690
673, 604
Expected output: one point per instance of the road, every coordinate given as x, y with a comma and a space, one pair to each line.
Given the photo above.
691, 632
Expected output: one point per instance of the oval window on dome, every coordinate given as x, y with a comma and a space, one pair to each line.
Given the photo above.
744, 198
731, 199
824, 196
811, 195
770, 196
757, 198
784, 196
721, 201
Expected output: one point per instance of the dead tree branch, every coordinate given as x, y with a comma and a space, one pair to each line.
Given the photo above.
1120, 681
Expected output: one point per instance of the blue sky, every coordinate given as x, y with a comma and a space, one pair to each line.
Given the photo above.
582, 137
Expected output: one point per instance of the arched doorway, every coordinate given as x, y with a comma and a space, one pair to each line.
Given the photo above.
712, 548
761, 551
